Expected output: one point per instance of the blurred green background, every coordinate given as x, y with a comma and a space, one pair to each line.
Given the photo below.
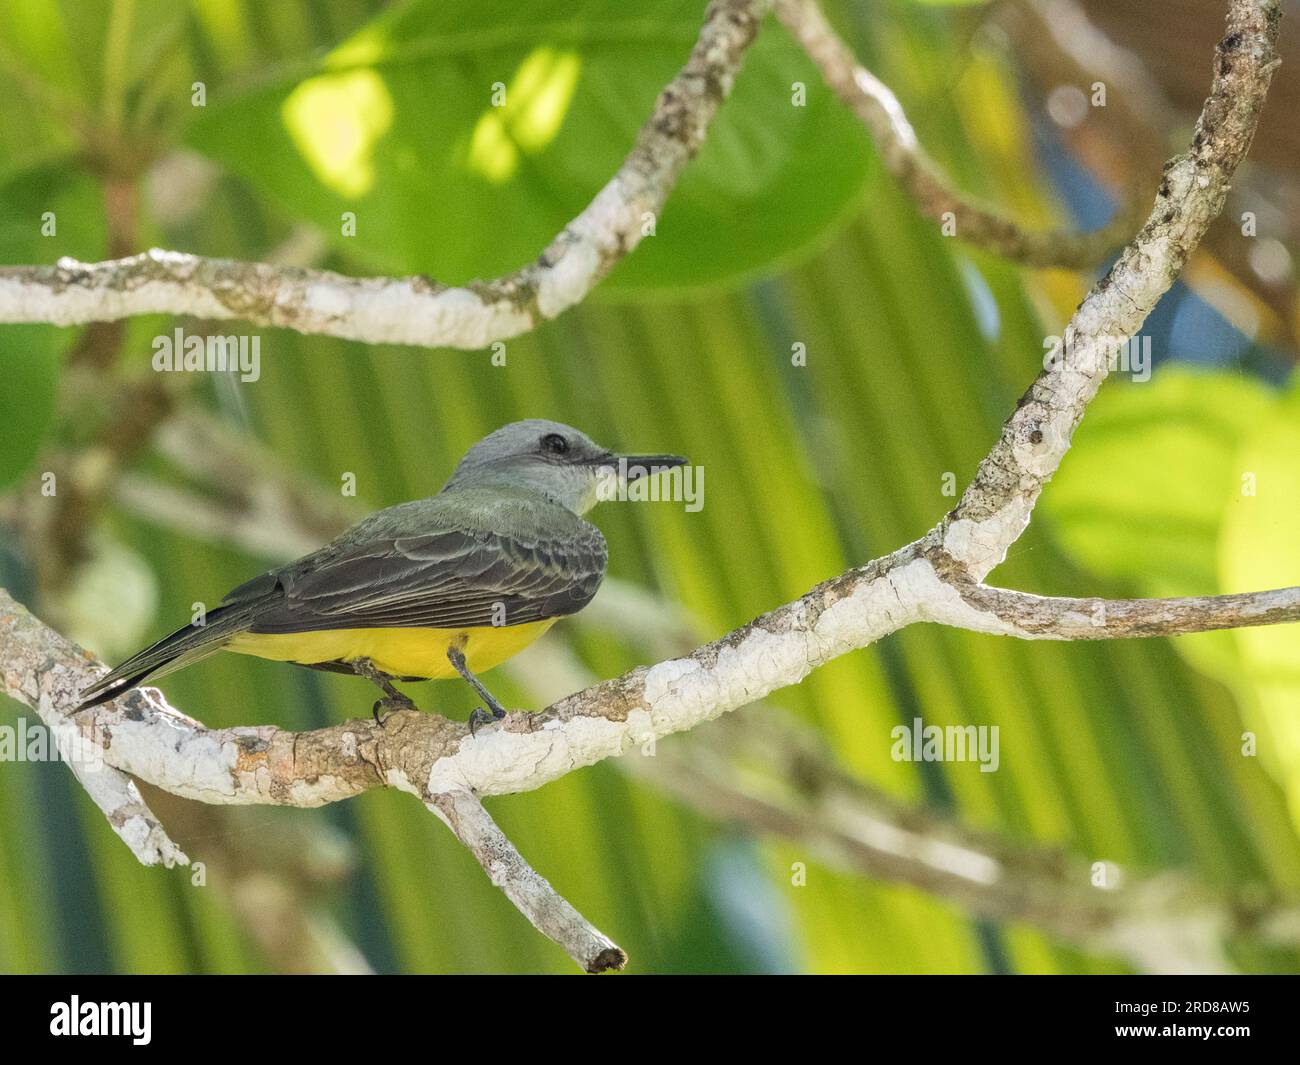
783, 233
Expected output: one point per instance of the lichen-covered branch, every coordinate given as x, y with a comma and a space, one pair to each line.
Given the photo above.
882, 114
995, 508
429, 755
532, 895
840, 819
416, 310
1036, 617
774, 774
43, 671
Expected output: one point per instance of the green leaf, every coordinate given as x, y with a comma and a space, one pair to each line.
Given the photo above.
1260, 549
1140, 496
1189, 485
49, 212
85, 56
29, 367
398, 125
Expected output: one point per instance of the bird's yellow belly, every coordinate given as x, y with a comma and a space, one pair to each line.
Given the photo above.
397, 652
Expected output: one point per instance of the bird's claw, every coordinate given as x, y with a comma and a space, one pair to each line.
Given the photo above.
392, 706
478, 716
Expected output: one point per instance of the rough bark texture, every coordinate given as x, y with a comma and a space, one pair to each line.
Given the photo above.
995, 508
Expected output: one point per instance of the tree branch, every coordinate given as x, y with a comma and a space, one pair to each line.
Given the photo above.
416, 310
882, 114
1036, 617
535, 898
43, 685
995, 508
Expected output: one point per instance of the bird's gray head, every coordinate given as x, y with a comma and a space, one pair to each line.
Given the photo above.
554, 460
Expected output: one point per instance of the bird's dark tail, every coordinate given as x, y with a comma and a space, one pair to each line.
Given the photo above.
182, 648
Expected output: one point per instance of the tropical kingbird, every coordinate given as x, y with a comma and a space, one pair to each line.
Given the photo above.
454, 584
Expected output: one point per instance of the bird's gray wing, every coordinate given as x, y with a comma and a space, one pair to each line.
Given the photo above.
446, 579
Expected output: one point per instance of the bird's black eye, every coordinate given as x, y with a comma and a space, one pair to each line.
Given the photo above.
555, 444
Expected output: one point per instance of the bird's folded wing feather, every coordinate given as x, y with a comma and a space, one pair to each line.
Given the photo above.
445, 579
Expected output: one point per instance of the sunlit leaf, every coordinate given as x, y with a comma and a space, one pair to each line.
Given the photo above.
1142, 491
463, 144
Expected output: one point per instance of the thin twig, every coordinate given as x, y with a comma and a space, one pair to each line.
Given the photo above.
904, 157
532, 895
1036, 617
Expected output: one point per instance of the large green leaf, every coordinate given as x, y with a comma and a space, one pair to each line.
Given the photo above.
398, 125
1141, 494
1189, 485
1260, 548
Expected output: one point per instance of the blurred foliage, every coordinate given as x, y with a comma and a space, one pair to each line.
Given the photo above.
916, 350
44, 197
440, 112
1188, 485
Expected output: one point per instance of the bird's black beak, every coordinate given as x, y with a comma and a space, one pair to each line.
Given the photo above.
645, 466
634, 467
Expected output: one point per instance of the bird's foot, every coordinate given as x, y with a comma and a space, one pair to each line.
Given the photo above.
479, 716
390, 704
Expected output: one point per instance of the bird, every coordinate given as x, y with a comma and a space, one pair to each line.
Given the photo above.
431, 589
